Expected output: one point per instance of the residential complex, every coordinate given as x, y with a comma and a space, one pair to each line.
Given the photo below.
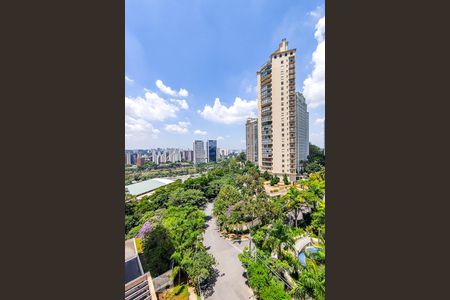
224, 152
211, 148
251, 140
187, 155
199, 152
157, 156
281, 117
170, 155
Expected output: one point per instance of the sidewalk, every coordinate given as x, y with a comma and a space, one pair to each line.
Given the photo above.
192, 294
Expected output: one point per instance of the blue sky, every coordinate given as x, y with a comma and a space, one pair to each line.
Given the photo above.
190, 67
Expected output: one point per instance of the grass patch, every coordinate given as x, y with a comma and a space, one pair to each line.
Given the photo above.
180, 292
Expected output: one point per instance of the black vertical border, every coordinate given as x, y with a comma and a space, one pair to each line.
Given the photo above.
63, 125
387, 149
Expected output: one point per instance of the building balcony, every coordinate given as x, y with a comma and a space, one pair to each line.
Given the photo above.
266, 103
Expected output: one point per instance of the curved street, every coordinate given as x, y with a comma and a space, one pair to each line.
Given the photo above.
229, 282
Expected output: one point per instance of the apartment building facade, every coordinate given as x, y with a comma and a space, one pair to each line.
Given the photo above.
251, 140
279, 121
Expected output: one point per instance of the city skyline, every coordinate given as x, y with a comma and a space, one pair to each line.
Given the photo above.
190, 82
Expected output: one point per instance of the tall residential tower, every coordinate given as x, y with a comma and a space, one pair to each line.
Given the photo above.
280, 121
251, 140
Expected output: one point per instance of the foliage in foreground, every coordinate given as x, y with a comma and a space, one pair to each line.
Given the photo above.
262, 281
171, 224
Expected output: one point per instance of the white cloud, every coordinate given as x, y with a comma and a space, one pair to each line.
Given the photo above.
235, 114
317, 12
183, 93
169, 91
136, 127
183, 104
200, 132
181, 127
151, 107
128, 79
220, 138
314, 84
139, 133
320, 121
140, 112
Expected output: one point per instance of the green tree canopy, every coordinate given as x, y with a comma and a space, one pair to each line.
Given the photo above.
182, 197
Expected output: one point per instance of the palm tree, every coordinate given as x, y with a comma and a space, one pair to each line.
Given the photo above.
280, 235
295, 200
311, 281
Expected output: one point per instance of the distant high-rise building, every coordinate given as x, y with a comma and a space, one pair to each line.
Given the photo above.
251, 140
140, 161
127, 158
211, 147
190, 156
280, 119
133, 158
199, 152
224, 152
302, 128
186, 155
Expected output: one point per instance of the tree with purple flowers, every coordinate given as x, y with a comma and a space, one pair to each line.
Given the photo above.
145, 229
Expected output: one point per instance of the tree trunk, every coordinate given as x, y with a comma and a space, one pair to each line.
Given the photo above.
296, 216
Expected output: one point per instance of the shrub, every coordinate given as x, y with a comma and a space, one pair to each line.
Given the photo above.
285, 179
274, 180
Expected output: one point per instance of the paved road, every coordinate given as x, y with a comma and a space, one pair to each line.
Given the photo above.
230, 283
